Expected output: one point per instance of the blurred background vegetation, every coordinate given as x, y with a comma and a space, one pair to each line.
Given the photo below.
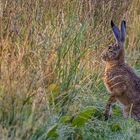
51, 86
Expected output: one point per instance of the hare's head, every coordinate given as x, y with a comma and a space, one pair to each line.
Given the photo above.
116, 51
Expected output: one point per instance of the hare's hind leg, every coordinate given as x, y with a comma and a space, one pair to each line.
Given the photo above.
108, 108
127, 111
136, 112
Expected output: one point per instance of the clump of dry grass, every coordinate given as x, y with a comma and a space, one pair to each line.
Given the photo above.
50, 58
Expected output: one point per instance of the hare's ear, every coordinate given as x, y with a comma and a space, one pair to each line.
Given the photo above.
123, 31
116, 32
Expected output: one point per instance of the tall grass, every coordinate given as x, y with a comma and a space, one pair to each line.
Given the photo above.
51, 71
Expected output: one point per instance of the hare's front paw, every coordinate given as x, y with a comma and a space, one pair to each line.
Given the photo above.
107, 115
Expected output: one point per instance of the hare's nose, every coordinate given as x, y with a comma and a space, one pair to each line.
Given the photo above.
102, 55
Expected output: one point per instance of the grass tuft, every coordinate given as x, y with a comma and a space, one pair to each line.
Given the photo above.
50, 76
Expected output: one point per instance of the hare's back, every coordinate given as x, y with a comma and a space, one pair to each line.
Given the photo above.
134, 79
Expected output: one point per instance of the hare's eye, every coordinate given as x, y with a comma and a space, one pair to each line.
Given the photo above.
109, 47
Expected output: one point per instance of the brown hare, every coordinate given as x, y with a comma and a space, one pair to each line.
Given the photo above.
119, 78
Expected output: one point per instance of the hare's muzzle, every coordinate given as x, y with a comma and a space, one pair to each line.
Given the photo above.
103, 56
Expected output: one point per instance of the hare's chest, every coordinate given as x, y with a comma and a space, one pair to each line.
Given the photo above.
107, 81
115, 83
107, 85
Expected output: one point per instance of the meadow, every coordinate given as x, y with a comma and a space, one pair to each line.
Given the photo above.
51, 84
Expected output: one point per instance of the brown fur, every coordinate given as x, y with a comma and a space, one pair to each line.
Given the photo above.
121, 81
